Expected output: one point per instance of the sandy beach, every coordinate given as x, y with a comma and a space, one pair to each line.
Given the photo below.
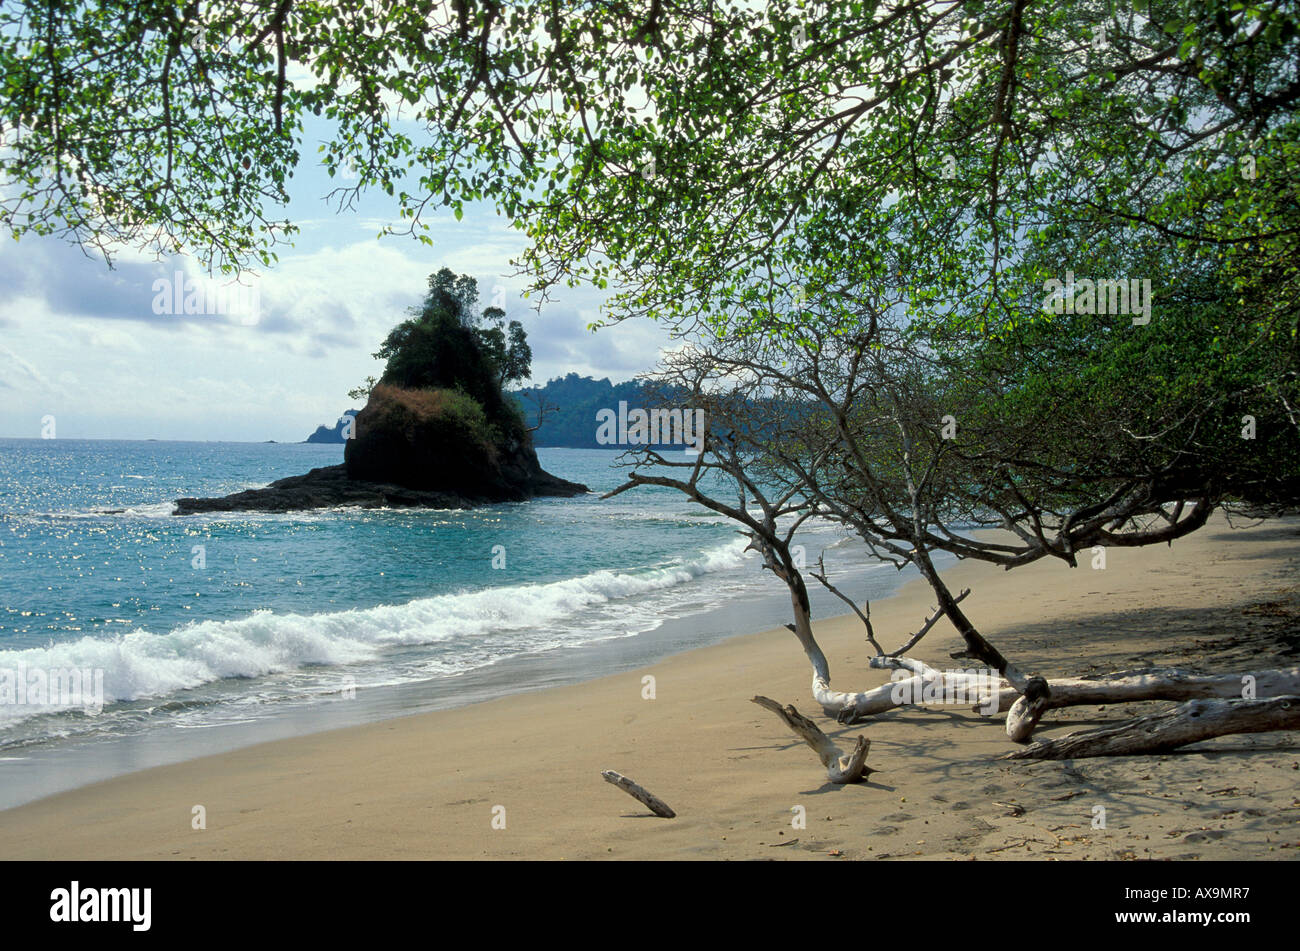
428, 786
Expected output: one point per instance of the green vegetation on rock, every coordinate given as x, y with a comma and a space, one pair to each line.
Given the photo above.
438, 418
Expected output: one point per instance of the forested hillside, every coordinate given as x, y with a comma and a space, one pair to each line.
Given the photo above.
576, 398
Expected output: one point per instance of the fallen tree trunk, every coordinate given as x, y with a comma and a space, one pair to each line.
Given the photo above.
1025, 710
1189, 722
1026, 699
914, 691
840, 769
1155, 684
852, 707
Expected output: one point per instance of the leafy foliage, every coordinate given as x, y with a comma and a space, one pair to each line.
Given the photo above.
441, 347
775, 172
440, 417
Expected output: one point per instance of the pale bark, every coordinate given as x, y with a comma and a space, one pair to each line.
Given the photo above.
1026, 699
840, 768
639, 793
1154, 684
1190, 722
850, 707
1165, 683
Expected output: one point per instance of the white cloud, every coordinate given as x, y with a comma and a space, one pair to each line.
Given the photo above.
83, 343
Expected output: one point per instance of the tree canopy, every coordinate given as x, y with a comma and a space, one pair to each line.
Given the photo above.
443, 346
674, 147
757, 170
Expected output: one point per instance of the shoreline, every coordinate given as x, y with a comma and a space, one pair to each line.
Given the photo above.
424, 786
37, 770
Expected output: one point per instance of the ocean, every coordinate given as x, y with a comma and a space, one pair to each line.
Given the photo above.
208, 632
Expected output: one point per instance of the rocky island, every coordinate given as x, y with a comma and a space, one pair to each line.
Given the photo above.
437, 430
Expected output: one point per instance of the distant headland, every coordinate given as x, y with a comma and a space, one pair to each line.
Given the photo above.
337, 434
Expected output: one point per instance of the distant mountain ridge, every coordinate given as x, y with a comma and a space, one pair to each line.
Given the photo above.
570, 420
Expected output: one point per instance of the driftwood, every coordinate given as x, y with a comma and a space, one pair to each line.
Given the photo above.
840, 769
852, 707
1189, 722
1025, 698
1125, 686
1165, 683
639, 793
985, 688
1029, 708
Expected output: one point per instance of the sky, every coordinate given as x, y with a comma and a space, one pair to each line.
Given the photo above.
82, 343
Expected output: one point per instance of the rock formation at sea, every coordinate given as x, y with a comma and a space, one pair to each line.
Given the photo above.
410, 448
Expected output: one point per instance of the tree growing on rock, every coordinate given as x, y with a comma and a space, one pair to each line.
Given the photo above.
438, 417
444, 345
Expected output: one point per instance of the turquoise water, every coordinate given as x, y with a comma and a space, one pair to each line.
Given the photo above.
222, 617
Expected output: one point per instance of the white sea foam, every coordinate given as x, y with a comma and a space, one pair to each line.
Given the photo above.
141, 664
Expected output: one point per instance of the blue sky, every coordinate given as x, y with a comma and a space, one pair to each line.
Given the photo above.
81, 342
